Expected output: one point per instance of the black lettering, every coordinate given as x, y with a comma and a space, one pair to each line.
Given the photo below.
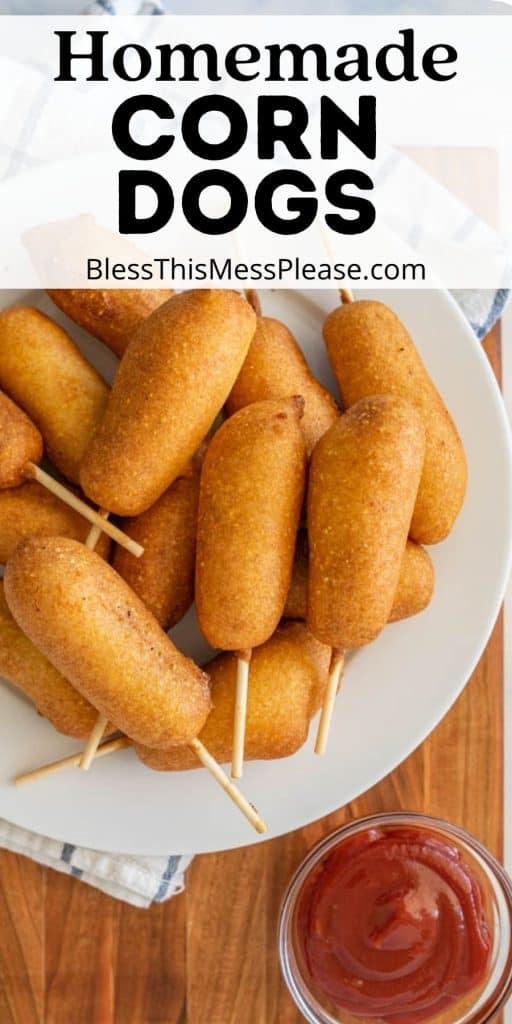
361, 133
305, 208
121, 128
405, 51
234, 59
360, 62
143, 58
129, 183
190, 127
297, 54
269, 133
95, 56
188, 55
192, 197
430, 61
334, 190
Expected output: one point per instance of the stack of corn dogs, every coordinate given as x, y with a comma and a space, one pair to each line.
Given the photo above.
238, 482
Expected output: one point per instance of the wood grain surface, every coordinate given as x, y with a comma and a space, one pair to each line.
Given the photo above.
70, 955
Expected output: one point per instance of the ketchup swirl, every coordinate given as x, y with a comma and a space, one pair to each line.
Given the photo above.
391, 923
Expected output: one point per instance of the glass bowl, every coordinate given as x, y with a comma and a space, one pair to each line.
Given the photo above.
476, 1007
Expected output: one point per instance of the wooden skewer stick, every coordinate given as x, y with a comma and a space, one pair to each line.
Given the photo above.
91, 747
97, 519
335, 670
336, 666
95, 532
228, 786
198, 748
254, 300
71, 762
242, 687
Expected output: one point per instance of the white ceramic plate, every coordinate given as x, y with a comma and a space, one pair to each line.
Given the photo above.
395, 691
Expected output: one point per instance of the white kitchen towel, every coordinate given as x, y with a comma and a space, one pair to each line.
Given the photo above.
143, 881
140, 881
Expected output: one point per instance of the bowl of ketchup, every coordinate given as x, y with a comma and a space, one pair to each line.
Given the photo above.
398, 919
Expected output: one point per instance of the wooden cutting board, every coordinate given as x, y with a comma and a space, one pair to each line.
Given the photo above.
70, 955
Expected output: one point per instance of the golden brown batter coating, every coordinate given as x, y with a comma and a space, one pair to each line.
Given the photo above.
163, 577
101, 637
297, 599
276, 368
172, 382
252, 485
363, 484
20, 442
26, 668
413, 593
288, 678
372, 353
415, 583
32, 511
42, 369
110, 314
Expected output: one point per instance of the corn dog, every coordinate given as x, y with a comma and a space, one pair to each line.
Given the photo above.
21, 448
252, 485
276, 368
288, 677
413, 593
32, 511
26, 668
372, 353
164, 577
42, 369
363, 484
110, 314
99, 635
415, 583
20, 443
172, 382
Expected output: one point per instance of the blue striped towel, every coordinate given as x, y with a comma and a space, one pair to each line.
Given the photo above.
143, 881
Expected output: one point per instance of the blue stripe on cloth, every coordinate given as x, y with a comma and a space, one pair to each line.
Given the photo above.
172, 866
151, 7
497, 307
101, 7
67, 852
76, 872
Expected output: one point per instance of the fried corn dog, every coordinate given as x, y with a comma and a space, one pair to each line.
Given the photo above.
26, 668
21, 448
42, 369
413, 593
276, 368
164, 577
363, 484
288, 678
32, 511
172, 382
110, 314
372, 353
252, 486
99, 635
20, 443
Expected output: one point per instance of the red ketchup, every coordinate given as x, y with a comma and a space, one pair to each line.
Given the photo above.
392, 924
